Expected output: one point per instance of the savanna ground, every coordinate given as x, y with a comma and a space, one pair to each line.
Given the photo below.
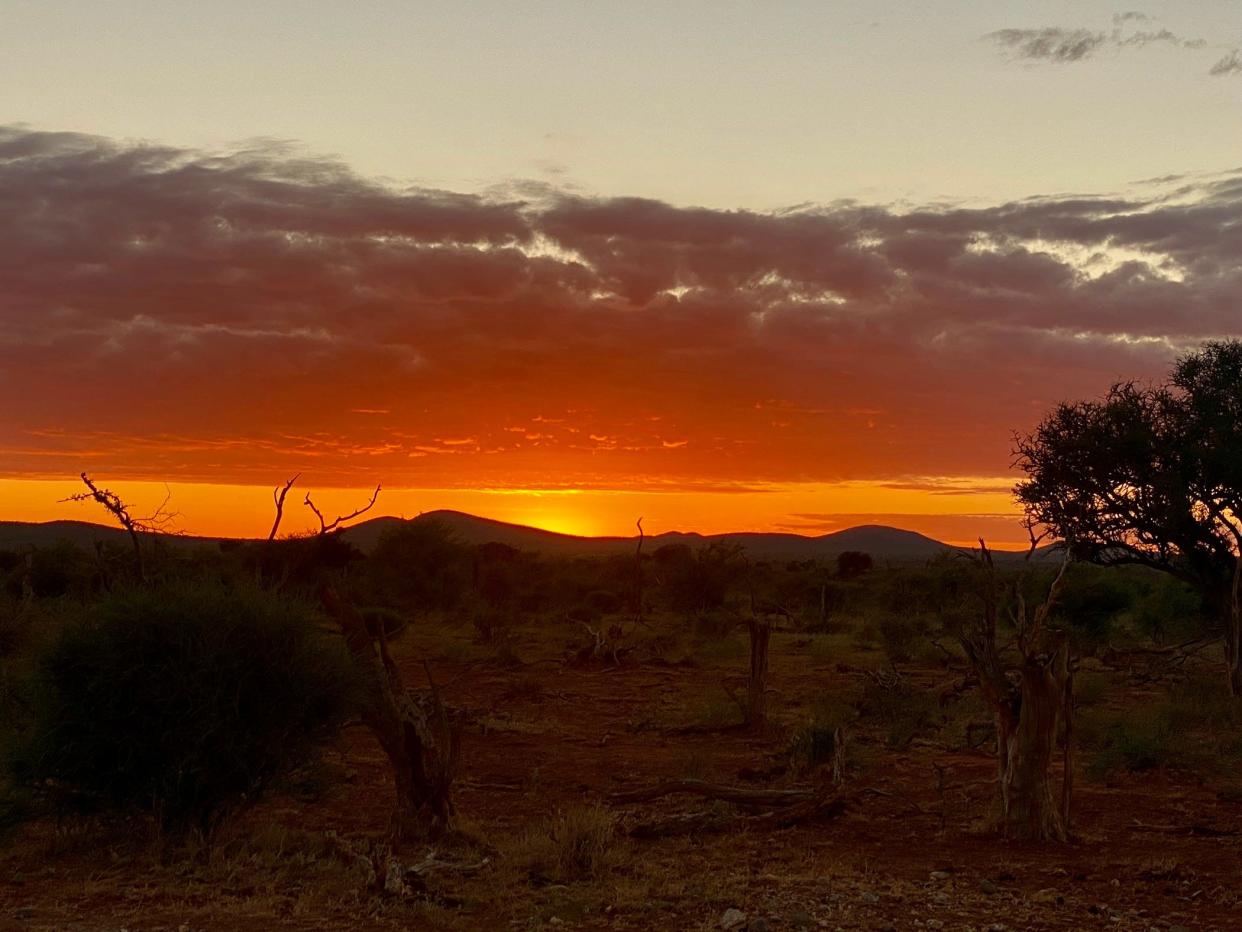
1157, 808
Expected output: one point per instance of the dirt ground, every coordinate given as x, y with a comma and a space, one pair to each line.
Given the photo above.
1159, 850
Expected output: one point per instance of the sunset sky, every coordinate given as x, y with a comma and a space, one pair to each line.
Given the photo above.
728, 266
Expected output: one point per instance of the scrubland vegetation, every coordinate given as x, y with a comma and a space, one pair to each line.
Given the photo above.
201, 733
433, 734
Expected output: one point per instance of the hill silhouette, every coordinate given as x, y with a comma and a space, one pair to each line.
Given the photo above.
878, 540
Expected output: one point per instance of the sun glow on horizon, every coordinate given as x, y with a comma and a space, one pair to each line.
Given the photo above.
956, 510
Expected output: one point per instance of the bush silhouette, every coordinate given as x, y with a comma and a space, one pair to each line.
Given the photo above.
184, 700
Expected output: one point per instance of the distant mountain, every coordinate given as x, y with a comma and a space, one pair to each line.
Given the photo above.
877, 540
15, 535
885, 543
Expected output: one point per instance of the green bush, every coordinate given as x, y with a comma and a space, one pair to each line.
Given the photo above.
184, 700
904, 710
899, 637
1144, 740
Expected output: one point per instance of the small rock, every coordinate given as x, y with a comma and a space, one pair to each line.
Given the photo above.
556, 921
869, 898
987, 887
1047, 895
800, 919
934, 924
942, 899
940, 875
758, 924
732, 919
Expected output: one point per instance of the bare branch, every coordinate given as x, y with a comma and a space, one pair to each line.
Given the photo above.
157, 521
278, 497
326, 527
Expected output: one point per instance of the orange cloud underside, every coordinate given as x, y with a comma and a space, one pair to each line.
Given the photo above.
224, 323
956, 511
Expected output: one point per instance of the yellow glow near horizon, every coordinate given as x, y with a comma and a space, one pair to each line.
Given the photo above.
962, 508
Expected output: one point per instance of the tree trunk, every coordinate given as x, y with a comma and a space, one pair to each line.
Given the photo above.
421, 745
756, 705
1233, 632
1029, 807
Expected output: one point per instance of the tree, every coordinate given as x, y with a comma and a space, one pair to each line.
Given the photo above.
134, 526
1027, 685
853, 563
1152, 475
417, 733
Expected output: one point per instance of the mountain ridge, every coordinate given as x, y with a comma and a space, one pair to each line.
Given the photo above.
881, 541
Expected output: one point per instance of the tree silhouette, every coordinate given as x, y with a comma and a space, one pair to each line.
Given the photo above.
1152, 475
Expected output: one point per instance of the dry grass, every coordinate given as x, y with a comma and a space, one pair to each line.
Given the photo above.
575, 844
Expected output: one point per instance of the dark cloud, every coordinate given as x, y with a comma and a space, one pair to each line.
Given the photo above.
1063, 45
184, 314
1050, 43
1228, 65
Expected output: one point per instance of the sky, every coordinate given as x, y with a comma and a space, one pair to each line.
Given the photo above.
786, 266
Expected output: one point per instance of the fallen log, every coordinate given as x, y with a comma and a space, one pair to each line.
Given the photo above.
739, 795
784, 808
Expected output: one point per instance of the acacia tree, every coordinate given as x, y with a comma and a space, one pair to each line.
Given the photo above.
1152, 475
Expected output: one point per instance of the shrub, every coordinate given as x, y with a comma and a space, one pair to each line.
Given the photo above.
853, 563
185, 700
904, 710
715, 626
815, 743
492, 626
574, 844
898, 636
1144, 740
419, 565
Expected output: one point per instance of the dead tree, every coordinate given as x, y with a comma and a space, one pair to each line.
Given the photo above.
134, 526
278, 498
417, 734
1028, 687
418, 737
327, 527
638, 575
756, 686
760, 630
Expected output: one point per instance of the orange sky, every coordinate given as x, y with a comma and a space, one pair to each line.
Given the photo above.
238, 510
221, 321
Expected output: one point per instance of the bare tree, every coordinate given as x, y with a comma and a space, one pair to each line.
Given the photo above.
278, 497
326, 527
1028, 686
759, 627
756, 685
159, 520
421, 742
416, 733
638, 575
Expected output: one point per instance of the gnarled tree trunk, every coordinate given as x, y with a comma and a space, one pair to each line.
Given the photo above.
421, 743
1030, 808
1233, 632
756, 690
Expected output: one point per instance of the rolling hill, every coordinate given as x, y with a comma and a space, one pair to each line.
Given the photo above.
880, 541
